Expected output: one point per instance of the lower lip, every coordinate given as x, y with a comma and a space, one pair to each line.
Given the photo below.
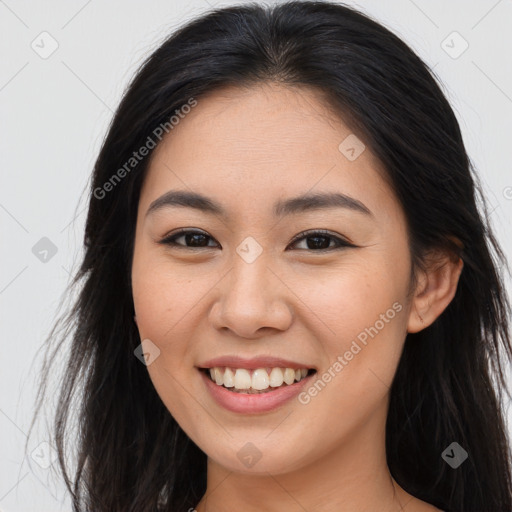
253, 403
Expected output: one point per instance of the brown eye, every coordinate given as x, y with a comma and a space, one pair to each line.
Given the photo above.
320, 240
193, 239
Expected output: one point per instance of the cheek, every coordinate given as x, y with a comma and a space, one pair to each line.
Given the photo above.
362, 315
170, 304
161, 296
162, 318
349, 298
158, 312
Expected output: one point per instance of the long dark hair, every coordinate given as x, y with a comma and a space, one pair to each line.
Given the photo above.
449, 382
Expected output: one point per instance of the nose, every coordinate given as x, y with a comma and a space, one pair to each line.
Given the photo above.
252, 300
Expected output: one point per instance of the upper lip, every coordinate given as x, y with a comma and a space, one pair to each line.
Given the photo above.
253, 363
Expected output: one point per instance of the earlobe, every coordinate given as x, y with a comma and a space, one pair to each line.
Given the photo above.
436, 289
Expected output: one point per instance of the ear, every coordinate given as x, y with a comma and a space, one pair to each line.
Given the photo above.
135, 318
435, 290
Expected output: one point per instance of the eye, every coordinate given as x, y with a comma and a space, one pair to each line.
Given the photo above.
196, 238
321, 240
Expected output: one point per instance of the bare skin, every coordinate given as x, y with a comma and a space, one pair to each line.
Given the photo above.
246, 149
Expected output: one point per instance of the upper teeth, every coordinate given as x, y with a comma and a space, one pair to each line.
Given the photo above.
262, 378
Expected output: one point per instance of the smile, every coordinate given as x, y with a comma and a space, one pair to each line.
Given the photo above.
255, 391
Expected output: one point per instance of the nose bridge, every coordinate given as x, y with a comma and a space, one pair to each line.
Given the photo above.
252, 296
250, 275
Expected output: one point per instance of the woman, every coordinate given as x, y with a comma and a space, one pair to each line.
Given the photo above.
287, 284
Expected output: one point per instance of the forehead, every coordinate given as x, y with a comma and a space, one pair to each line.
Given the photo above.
265, 120
250, 145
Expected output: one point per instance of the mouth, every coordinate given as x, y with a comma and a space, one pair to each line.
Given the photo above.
248, 381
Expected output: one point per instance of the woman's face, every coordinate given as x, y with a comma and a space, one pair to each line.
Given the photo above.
243, 288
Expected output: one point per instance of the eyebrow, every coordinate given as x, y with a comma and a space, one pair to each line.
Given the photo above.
283, 207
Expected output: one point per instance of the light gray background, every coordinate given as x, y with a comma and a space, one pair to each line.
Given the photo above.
55, 112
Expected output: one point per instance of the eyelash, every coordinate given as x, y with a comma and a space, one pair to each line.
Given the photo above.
341, 243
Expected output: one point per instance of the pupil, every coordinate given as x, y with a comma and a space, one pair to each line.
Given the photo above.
316, 245
189, 237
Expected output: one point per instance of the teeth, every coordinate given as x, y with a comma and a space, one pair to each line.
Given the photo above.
259, 380
229, 378
218, 375
276, 377
242, 379
289, 375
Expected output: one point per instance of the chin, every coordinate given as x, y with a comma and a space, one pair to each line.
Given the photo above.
258, 459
